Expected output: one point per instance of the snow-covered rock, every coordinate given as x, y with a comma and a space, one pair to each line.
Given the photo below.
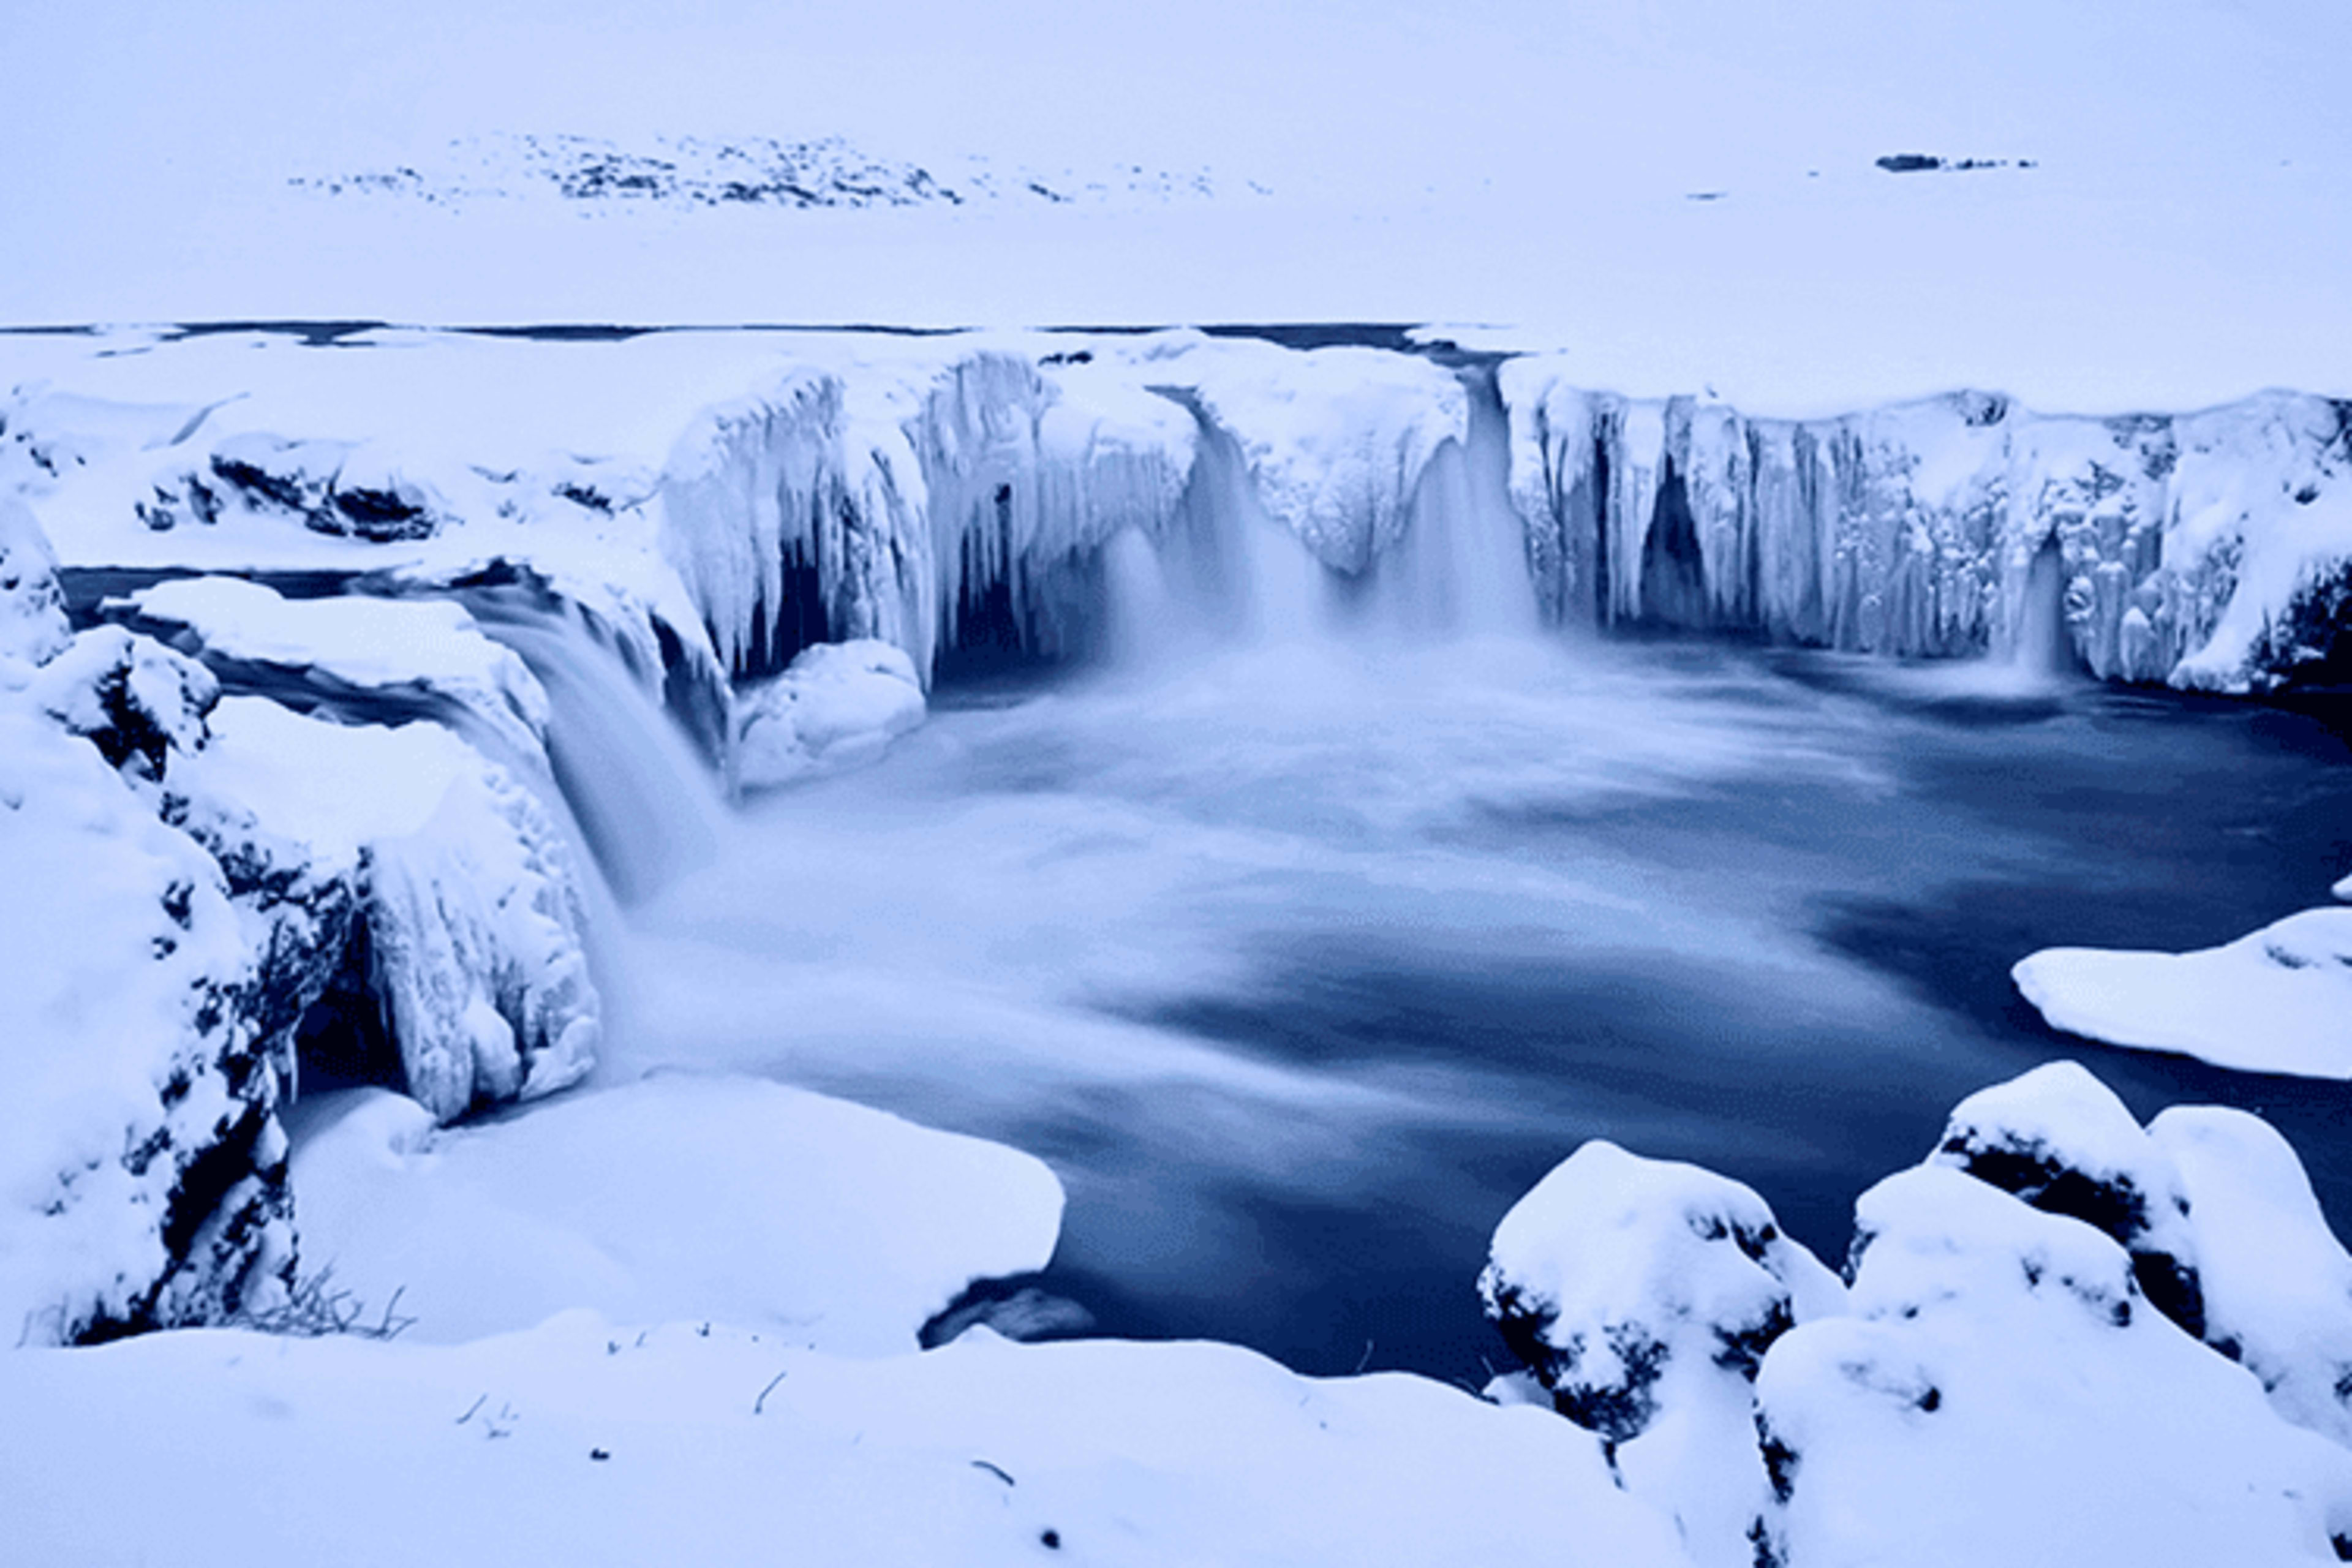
2062, 1141
2278, 1285
142, 1168
2279, 1000
1643, 1294
587, 1441
32, 611
408, 656
836, 705
466, 907
2001, 1392
675, 1199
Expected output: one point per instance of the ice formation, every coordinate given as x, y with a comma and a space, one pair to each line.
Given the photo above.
2278, 1000
2198, 548
836, 705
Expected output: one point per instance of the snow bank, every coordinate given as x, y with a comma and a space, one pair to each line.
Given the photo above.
836, 705
589, 1442
1643, 1294
2275, 1001
427, 651
463, 887
2002, 1392
2201, 549
815, 1221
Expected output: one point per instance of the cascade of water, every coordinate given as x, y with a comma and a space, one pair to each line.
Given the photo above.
646, 804
2040, 647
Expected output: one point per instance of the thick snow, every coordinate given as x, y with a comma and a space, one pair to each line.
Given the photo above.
1644, 1293
590, 1442
2279, 1000
427, 647
838, 705
2002, 1392
814, 1221
2278, 1285
470, 893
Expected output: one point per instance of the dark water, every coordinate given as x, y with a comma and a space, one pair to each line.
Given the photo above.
1460, 934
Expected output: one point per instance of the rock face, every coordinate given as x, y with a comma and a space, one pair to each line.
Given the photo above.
1644, 1295
2013, 1372
188, 877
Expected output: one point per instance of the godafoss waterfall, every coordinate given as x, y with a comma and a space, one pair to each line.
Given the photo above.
724, 853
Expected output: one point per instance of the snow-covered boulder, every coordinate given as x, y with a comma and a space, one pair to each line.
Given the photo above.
466, 903
32, 610
2278, 1000
2001, 1392
2278, 1285
676, 1198
2062, 1141
141, 1169
836, 705
1642, 1295
135, 699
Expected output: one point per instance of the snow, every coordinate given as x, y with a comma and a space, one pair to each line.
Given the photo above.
2278, 1285
428, 646
2273, 1001
1644, 1293
603, 1443
837, 706
814, 1221
2000, 1375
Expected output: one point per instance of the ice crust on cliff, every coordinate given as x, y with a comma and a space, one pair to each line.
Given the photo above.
466, 891
719, 500
2206, 549
2277, 1000
821, 1223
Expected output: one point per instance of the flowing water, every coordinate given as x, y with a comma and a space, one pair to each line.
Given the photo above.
1300, 961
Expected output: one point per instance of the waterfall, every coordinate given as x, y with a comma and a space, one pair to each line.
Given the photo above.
643, 800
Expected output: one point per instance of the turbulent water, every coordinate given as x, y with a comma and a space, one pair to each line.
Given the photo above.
1301, 962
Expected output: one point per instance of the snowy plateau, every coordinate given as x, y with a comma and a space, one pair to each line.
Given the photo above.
1665, 772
